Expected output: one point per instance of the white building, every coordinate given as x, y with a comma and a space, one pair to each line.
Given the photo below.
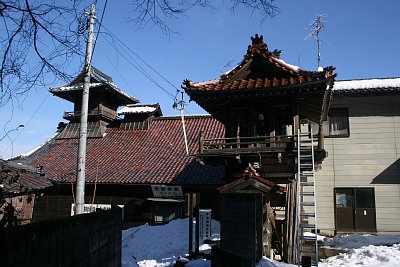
358, 187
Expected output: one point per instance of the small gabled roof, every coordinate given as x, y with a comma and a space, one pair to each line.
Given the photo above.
251, 180
21, 180
98, 82
260, 69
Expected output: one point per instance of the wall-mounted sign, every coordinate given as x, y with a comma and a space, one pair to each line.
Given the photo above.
89, 208
164, 191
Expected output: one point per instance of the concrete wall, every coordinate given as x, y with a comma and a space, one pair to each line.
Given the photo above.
84, 240
368, 158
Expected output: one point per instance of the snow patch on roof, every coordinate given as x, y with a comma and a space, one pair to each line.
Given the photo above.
35, 149
367, 84
74, 87
139, 109
289, 66
204, 83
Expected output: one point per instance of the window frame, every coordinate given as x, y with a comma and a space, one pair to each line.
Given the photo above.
327, 125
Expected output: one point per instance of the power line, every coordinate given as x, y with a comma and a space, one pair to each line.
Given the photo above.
120, 75
133, 62
100, 24
28, 122
141, 59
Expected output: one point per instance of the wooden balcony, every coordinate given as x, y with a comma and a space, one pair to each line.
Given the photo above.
75, 115
226, 147
245, 145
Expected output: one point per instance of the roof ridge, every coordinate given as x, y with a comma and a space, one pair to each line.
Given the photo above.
190, 116
367, 79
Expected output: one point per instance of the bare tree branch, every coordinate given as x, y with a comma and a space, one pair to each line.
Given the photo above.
41, 37
158, 12
37, 38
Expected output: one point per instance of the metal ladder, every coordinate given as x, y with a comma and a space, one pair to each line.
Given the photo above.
306, 199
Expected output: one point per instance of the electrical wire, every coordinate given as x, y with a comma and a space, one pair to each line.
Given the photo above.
120, 75
100, 24
141, 59
134, 64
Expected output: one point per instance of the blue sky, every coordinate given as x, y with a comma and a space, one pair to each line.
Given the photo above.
361, 39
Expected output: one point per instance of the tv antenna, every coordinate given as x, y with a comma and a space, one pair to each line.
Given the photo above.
317, 26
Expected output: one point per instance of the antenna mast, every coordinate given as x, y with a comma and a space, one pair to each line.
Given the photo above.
180, 106
317, 26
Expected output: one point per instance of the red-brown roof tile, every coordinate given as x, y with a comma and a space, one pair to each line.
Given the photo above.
260, 69
153, 156
19, 180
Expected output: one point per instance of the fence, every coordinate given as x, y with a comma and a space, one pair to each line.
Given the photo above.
85, 240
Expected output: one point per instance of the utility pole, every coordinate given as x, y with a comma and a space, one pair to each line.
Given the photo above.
81, 169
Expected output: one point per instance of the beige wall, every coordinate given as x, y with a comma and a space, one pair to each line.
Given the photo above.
368, 158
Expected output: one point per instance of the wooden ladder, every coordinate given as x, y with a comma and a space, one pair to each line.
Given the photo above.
307, 245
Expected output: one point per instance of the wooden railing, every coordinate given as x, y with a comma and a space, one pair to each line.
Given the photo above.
98, 112
245, 143
256, 143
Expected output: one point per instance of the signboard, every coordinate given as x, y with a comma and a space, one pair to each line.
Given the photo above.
164, 191
205, 224
89, 208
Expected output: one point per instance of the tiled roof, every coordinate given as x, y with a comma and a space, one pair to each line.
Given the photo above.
153, 156
251, 178
382, 85
260, 69
251, 84
98, 80
19, 179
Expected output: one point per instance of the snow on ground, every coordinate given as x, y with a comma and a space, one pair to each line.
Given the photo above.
159, 246
358, 241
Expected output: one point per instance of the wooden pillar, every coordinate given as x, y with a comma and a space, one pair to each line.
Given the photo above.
296, 117
271, 120
201, 142
321, 137
271, 125
296, 124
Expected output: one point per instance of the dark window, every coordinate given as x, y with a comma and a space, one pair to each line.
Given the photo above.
337, 124
365, 198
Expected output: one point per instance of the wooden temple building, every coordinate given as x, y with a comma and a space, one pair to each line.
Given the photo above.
265, 106
252, 160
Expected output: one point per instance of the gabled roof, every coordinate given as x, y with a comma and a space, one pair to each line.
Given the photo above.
261, 76
260, 69
21, 180
251, 181
98, 81
377, 86
127, 156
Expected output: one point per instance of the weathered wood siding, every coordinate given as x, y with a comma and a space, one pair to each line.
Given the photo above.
368, 158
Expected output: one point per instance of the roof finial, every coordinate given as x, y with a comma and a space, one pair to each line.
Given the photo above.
257, 44
257, 39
